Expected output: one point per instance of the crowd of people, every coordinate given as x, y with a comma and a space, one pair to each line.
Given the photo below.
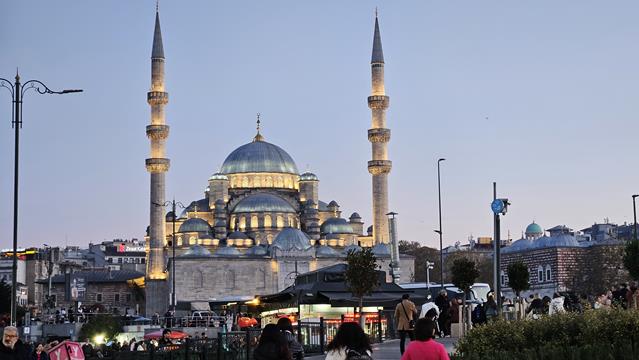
422, 331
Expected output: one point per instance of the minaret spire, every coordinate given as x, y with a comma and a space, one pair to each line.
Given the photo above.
157, 165
379, 136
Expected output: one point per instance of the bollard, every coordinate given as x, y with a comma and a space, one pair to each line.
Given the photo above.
322, 334
248, 344
219, 346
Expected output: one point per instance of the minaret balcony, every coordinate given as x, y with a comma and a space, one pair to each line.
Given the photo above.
379, 135
157, 165
157, 132
378, 102
157, 97
378, 167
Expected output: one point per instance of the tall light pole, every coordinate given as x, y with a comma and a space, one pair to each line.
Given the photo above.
634, 211
429, 267
17, 91
499, 207
441, 246
173, 205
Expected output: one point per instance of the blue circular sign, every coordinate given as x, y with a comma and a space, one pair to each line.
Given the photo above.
497, 206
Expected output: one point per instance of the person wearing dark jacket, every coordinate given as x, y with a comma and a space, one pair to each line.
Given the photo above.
12, 348
286, 327
272, 345
39, 353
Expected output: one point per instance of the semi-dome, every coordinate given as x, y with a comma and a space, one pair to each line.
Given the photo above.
259, 156
326, 251
169, 216
534, 229
194, 225
237, 235
336, 226
263, 202
196, 251
201, 205
563, 240
354, 248
218, 176
227, 251
308, 176
519, 245
291, 238
381, 250
257, 250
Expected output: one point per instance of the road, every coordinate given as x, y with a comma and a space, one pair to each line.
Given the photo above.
389, 350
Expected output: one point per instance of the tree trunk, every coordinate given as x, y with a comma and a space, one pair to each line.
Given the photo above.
518, 306
361, 312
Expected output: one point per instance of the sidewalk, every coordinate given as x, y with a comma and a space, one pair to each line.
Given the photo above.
389, 350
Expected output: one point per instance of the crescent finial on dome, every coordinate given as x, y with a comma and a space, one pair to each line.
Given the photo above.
259, 136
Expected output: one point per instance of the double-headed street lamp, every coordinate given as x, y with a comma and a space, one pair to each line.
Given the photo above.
173, 205
441, 247
17, 91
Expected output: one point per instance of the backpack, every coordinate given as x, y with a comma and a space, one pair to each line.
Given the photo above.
354, 355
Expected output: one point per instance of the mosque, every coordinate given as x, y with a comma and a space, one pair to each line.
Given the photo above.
260, 221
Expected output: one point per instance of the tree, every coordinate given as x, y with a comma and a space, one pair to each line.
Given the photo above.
361, 275
102, 324
464, 274
631, 258
422, 255
518, 280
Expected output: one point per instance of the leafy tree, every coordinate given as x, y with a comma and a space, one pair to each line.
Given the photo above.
631, 259
422, 255
464, 274
361, 275
101, 324
518, 280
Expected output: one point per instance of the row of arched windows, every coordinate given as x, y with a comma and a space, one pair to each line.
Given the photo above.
254, 222
267, 181
544, 274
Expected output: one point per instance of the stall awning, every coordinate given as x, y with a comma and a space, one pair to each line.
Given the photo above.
375, 299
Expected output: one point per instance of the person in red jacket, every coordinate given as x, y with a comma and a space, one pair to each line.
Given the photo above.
425, 348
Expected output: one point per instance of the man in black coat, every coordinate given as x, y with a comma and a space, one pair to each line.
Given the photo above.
12, 348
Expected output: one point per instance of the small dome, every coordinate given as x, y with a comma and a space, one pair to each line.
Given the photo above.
336, 226
195, 225
381, 250
519, 245
355, 248
201, 205
369, 230
355, 216
257, 250
333, 203
219, 176
227, 251
291, 238
534, 229
308, 176
263, 202
196, 251
169, 216
326, 251
563, 240
259, 156
238, 235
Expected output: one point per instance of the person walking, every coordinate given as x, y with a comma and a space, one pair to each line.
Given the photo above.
286, 327
404, 316
350, 341
425, 348
12, 348
490, 308
556, 305
443, 304
272, 345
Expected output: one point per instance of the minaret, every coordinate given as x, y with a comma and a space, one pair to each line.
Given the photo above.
379, 136
157, 164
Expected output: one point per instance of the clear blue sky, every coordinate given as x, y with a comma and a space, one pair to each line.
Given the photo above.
540, 96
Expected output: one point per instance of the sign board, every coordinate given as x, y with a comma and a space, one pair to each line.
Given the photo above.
75, 287
66, 350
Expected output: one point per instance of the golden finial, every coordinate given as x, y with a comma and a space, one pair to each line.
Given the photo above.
259, 136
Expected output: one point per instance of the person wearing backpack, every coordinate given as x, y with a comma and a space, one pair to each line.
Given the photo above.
286, 327
350, 343
425, 348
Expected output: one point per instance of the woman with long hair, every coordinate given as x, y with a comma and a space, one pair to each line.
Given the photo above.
286, 327
272, 345
350, 340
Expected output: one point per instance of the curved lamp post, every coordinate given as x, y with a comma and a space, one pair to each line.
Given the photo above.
17, 91
173, 205
441, 247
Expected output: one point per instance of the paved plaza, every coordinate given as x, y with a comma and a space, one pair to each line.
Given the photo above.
389, 350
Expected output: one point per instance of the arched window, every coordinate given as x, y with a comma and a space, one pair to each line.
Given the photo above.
257, 181
192, 240
245, 182
254, 222
260, 279
269, 182
280, 221
230, 279
268, 222
278, 182
179, 241
242, 223
548, 273
269, 239
540, 273
198, 278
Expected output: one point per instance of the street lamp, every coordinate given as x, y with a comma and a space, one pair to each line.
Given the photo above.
441, 248
173, 218
634, 211
499, 207
429, 266
17, 91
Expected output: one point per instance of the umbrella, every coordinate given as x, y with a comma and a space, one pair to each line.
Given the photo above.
174, 334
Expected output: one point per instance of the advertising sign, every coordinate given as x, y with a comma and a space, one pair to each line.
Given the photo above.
66, 350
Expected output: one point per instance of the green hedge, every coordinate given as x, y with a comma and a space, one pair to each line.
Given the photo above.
596, 334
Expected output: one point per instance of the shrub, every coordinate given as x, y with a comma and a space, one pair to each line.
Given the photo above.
571, 335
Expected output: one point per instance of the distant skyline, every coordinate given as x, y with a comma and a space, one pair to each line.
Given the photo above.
540, 97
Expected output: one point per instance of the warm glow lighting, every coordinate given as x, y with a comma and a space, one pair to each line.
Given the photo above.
98, 339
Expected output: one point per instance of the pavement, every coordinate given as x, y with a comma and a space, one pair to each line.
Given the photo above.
389, 349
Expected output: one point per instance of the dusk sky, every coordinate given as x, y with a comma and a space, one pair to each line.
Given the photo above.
539, 96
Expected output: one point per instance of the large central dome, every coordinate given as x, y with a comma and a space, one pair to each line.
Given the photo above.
259, 156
